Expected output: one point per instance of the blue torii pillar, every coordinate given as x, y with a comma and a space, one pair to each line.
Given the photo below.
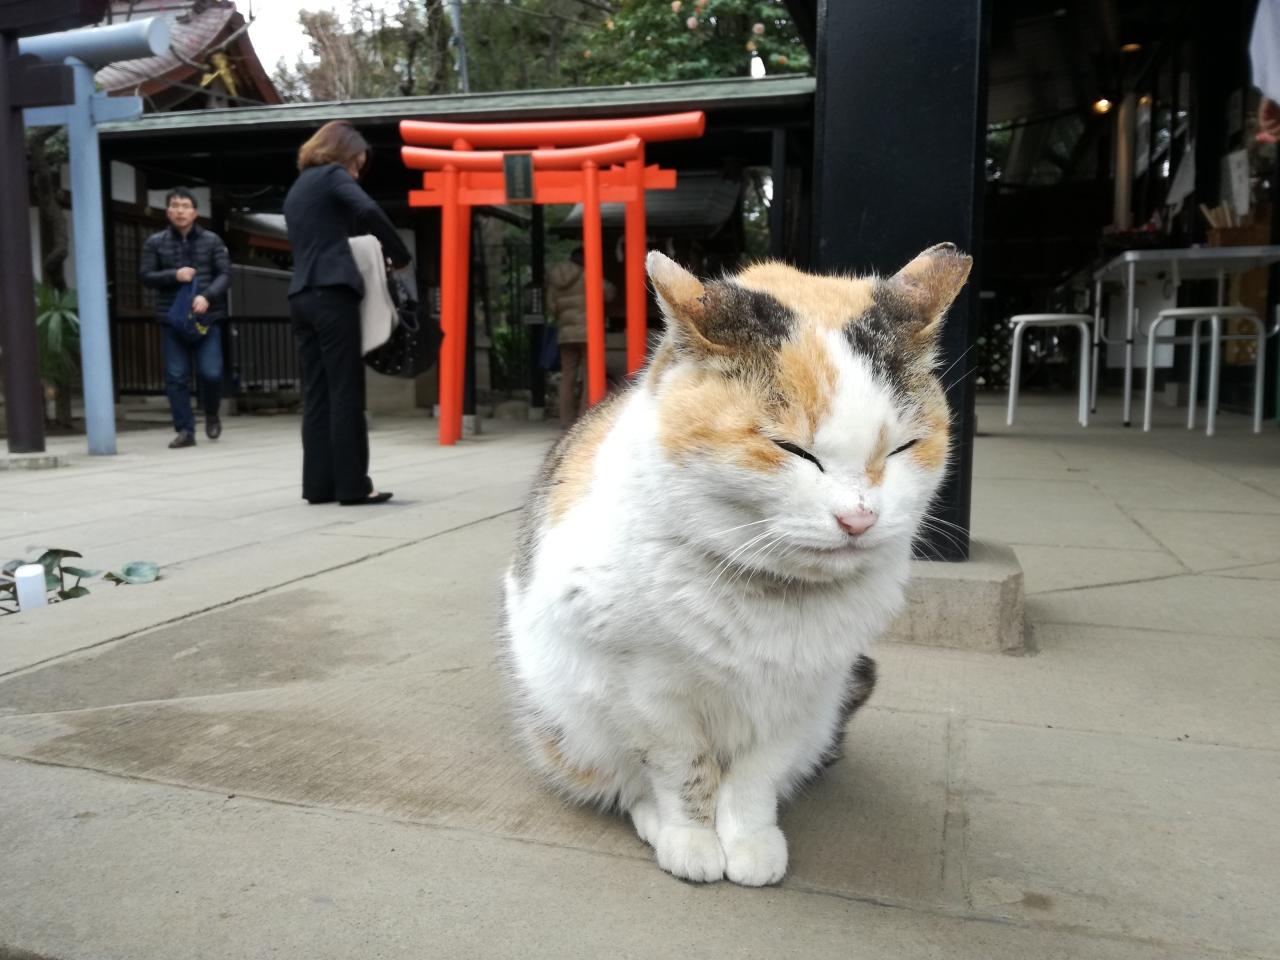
84, 51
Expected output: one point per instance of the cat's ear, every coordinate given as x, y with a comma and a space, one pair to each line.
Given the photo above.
683, 300
930, 284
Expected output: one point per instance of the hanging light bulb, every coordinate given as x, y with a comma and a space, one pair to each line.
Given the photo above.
1102, 105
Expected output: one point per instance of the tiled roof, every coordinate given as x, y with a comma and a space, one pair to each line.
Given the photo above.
790, 92
194, 27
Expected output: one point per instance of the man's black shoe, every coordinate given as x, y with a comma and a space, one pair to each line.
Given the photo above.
213, 427
182, 440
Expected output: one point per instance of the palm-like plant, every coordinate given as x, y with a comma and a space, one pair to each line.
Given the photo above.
58, 336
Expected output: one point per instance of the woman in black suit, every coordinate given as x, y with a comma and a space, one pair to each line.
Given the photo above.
324, 207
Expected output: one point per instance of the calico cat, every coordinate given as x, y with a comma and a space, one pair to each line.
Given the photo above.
707, 556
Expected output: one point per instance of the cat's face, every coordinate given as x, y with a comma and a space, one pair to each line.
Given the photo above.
805, 427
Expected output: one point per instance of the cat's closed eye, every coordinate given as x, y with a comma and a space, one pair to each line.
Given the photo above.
800, 452
906, 446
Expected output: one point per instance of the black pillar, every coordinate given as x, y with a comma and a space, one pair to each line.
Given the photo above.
898, 166
24, 395
537, 279
778, 201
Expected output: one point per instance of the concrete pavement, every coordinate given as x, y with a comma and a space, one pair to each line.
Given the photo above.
295, 743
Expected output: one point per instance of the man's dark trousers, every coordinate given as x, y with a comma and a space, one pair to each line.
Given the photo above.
178, 353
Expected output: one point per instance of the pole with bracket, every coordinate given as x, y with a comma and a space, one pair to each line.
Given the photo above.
83, 51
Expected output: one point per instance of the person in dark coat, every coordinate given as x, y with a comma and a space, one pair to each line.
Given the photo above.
324, 207
182, 252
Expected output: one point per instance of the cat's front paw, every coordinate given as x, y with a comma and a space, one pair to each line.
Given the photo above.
757, 858
692, 853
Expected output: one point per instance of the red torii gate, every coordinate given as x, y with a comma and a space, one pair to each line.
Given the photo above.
573, 161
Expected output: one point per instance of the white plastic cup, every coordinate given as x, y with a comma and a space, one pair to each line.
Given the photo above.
31, 590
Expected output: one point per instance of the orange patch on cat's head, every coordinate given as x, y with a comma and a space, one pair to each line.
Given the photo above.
879, 458
933, 426
804, 379
825, 302
710, 415
932, 450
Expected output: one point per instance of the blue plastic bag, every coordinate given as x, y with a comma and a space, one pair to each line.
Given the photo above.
190, 326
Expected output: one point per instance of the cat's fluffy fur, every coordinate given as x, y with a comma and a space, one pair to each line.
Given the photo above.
687, 621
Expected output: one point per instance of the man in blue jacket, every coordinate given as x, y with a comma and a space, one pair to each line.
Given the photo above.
171, 259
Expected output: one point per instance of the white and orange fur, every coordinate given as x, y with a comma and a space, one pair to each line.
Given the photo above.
708, 556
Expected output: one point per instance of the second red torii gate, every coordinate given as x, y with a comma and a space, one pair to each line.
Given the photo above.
587, 161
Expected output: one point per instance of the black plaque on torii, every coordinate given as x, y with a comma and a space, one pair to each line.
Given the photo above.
26, 82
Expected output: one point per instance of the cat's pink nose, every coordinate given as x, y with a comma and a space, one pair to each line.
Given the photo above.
857, 521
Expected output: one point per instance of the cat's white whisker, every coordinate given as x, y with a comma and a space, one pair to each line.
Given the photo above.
720, 533
945, 534
727, 562
741, 567
968, 350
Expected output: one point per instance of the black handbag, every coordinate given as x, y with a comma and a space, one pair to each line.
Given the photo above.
414, 343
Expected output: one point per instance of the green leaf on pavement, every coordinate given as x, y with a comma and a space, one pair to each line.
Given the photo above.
73, 593
78, 572
51, 558
141, 571
138, 571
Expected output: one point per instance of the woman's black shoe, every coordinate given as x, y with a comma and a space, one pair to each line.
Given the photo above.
382, 497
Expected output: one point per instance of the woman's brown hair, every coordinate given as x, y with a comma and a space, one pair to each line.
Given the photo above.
336, 142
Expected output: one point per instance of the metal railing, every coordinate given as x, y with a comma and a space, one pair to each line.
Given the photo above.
259, 356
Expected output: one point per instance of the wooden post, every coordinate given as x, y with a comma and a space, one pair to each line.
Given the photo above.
450, 374
24, 394
637, 290
592, 266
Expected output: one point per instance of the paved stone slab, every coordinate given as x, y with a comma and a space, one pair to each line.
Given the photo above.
1169, 484
114, 612
31, 461
1019, 458
1211, 605
1067, 568
1208, 541
1265, 571
150, 871
432, 745
1167, 842
1053, 513
1146, 683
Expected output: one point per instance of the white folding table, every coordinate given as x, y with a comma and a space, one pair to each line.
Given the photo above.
1182, 263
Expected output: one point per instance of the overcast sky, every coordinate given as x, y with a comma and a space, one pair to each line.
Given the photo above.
275, 31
